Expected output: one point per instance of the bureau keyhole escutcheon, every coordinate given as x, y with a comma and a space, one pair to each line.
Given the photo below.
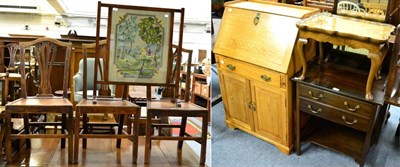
251, 106
314, 111
351, 109
347, 122
315, 97
256, 19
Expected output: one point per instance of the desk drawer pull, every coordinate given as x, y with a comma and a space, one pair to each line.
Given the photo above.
313, 111
350, 123
315, 98
256, 19
231, 67
265, 78
351, 109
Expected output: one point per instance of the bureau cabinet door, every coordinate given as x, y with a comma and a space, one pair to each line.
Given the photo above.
236, 93
270, 116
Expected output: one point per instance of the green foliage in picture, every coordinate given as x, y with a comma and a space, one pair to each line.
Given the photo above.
138, 46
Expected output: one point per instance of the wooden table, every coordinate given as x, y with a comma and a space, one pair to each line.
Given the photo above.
346, 31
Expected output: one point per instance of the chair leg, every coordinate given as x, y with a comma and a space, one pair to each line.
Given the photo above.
63, 128
26, 128
120, 126
85, 129
136, 138
2, 134
56, 119
8, 138
148, 140
70, 138
129, 124
76, 135
204, 139
182, 132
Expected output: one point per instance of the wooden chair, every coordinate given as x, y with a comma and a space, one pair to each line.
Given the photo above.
102, 104
5, 77
348, 6
173, 107
392, 94
187, 74
45, 50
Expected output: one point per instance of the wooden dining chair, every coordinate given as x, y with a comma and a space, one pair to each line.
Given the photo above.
8, 74
45, 51
103, 104
173, 107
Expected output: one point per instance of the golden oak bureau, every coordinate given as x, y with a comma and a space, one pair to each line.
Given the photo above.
255, 59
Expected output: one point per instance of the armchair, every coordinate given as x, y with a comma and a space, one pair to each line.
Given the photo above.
78, 80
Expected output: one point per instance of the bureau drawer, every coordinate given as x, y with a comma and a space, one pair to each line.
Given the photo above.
250, 70
334, 115
342, 102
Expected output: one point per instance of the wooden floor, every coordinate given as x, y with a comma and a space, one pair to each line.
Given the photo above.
102, 152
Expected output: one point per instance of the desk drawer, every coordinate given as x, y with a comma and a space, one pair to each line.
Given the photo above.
335, 115
250, 70
351, 105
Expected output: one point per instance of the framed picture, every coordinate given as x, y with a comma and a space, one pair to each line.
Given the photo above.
140, 45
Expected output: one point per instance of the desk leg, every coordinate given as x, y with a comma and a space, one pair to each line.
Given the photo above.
300, 49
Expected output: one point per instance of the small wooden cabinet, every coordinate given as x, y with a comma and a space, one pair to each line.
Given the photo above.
255, 59
334, 113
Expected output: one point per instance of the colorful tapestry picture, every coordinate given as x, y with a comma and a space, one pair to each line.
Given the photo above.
139, 46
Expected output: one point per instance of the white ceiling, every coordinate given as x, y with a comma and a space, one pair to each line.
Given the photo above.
195, 10
198, 10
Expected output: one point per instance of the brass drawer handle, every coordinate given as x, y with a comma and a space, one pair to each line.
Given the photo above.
313, 111
351, 109
313, 97
231, 67
350, 123
265, 78
256, 19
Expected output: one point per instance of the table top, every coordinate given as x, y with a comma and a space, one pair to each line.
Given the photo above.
347, 27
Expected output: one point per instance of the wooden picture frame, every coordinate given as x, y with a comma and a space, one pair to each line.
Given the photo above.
139, 44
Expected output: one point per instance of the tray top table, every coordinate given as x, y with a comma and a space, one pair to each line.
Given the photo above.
346, 31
